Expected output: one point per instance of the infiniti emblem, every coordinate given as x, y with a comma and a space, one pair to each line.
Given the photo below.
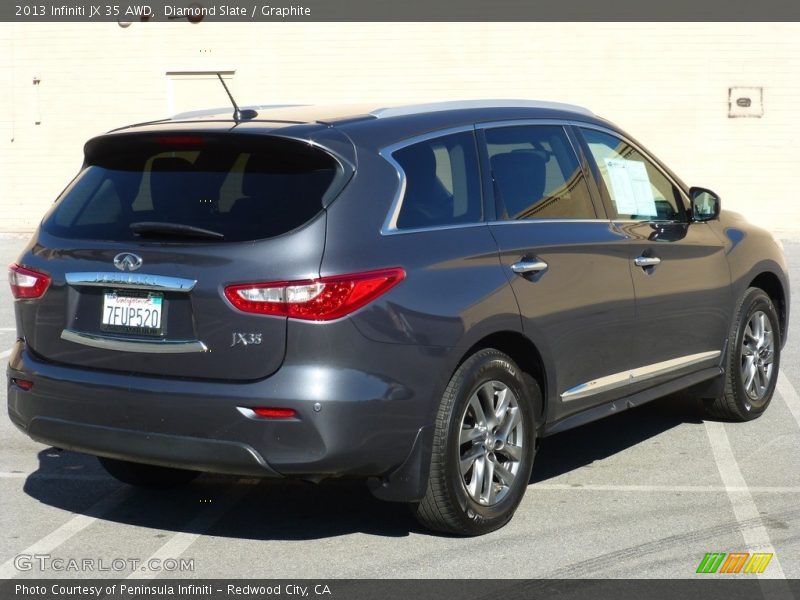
126, 261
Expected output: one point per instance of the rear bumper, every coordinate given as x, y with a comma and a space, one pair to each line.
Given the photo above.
349, 422
155, 448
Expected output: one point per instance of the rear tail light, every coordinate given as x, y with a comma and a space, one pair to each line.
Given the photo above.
322, 299
26, 283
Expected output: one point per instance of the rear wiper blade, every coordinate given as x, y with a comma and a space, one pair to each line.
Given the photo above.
159, 227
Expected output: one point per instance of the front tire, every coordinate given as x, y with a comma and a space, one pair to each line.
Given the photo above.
146, 476
483, 447
752, 362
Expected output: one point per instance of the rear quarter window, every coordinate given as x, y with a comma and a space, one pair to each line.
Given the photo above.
442, 182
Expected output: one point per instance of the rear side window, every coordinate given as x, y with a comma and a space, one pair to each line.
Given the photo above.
240, 187
442, 182
536, 174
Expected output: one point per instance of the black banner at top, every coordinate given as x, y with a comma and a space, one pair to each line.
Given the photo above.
199, 11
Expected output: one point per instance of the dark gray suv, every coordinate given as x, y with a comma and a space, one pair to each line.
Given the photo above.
413, 296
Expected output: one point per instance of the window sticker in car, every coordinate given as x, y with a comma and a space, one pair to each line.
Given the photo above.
631, 188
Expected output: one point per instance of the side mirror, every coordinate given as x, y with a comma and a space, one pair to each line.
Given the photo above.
705, 204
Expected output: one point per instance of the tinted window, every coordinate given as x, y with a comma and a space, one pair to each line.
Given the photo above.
637, 188
536, 174
442, 182
244, 189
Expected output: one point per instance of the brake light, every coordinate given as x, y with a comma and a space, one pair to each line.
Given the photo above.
322, 299
180, 140
27, 283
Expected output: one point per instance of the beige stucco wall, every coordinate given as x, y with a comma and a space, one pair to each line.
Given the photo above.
666, 83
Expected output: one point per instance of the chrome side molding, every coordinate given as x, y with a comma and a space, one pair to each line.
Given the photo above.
597, 386
123, 344
618, 380
131, 281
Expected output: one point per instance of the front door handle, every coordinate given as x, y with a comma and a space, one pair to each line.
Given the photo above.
646, 261
528, 266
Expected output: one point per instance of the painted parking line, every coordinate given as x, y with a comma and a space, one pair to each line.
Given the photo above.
180, 542
53, 476
691, 489
744, 507
69, 529
5, 354
559, 487
789, 395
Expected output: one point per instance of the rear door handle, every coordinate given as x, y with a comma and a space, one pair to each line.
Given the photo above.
528, 266
646, 261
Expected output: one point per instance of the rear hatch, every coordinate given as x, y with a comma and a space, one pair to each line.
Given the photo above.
141, 245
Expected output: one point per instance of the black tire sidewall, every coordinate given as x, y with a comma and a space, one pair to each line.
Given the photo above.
494, 366
754, 300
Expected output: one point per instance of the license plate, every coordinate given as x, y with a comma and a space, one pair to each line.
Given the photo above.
132, 313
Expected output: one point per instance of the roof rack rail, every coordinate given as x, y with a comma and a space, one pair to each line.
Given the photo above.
413, 109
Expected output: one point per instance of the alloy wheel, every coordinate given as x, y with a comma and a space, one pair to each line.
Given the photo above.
757, 356
491, 443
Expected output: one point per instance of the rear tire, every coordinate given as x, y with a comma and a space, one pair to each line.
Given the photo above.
146, 476
752, 361
483, 448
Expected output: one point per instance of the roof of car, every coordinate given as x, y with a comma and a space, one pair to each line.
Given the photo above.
303, 113
370, 124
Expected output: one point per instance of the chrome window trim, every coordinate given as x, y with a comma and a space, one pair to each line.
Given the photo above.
131, 281
123, 344
528, 121
434, 228
389, 226
542, 221
637, 375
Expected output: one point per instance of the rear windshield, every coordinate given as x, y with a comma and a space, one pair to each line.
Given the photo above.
229, 188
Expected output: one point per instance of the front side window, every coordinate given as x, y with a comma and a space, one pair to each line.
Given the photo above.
442, 182
536, 174
638, 190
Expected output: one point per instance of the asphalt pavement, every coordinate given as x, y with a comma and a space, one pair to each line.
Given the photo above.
644, 494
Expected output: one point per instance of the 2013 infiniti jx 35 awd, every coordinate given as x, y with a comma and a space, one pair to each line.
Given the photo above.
413, 296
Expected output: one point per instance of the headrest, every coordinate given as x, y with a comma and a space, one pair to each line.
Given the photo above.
520, 177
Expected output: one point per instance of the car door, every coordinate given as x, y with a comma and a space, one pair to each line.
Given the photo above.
679, 270
567, 266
